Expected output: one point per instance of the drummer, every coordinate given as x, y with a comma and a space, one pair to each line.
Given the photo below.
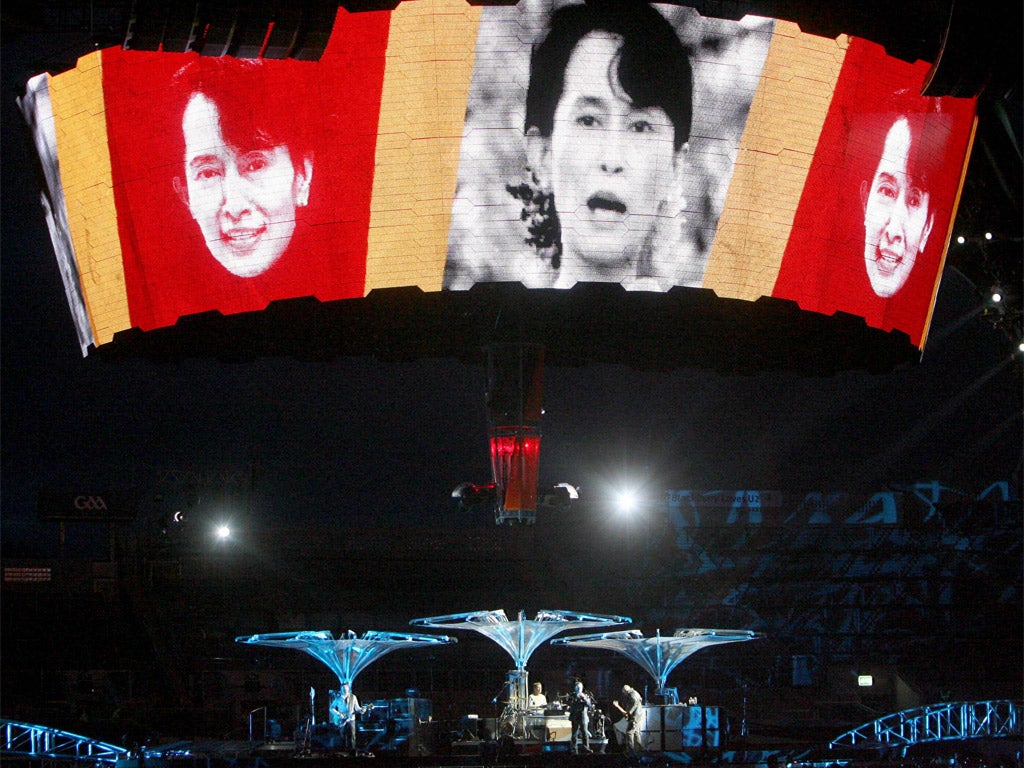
537, 698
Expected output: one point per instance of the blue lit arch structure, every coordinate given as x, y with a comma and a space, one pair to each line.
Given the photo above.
520, 638
658, 655
349, 654
40, 742
953, 721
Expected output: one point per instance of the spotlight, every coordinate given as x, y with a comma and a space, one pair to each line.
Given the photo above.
994, 304
1001, 308
627, 500
222, 532
961, 239
988, 235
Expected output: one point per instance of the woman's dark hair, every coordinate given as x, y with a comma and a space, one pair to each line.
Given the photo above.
654, 68
259, 107
929, 135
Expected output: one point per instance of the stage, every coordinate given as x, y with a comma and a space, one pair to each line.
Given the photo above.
986, 744
464, 754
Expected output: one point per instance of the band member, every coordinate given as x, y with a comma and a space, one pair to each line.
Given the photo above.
580, 703
344, 708
537, 698
632, 711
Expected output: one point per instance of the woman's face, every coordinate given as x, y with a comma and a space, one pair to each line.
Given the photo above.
896, 217
610, 166
243, 200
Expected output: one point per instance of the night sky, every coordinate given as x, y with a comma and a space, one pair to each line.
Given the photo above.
319, 441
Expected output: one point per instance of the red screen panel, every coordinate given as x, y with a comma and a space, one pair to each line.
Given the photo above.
238, 182
872, 224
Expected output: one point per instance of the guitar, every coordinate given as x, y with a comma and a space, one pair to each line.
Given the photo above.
337, 714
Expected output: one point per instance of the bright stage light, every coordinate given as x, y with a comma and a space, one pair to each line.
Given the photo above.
627, 500
222, 532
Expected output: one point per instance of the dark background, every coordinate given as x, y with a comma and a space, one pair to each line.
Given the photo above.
337, 471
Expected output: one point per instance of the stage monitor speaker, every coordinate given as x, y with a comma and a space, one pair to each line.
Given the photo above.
672, 727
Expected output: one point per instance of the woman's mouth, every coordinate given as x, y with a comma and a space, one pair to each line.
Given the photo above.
887, 260
606, 203
242, 238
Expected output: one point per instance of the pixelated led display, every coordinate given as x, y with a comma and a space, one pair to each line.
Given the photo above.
442, 145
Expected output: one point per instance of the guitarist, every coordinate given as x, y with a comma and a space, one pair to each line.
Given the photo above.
344, 708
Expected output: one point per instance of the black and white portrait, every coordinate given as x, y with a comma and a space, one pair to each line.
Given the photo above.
599, 143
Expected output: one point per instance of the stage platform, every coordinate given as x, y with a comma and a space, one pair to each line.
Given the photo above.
462, 754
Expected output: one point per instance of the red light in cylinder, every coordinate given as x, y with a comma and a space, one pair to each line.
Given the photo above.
514, 384
515, 460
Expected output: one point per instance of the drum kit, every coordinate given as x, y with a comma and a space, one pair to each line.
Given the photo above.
549, 722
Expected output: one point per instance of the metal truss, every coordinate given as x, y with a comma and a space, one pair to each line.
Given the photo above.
937, 722
23, 739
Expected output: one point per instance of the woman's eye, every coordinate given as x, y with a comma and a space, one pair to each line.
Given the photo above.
254, 163
587, 121
206, 173
641, 126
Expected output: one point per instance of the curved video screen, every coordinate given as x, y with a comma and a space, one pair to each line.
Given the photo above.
443, 145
